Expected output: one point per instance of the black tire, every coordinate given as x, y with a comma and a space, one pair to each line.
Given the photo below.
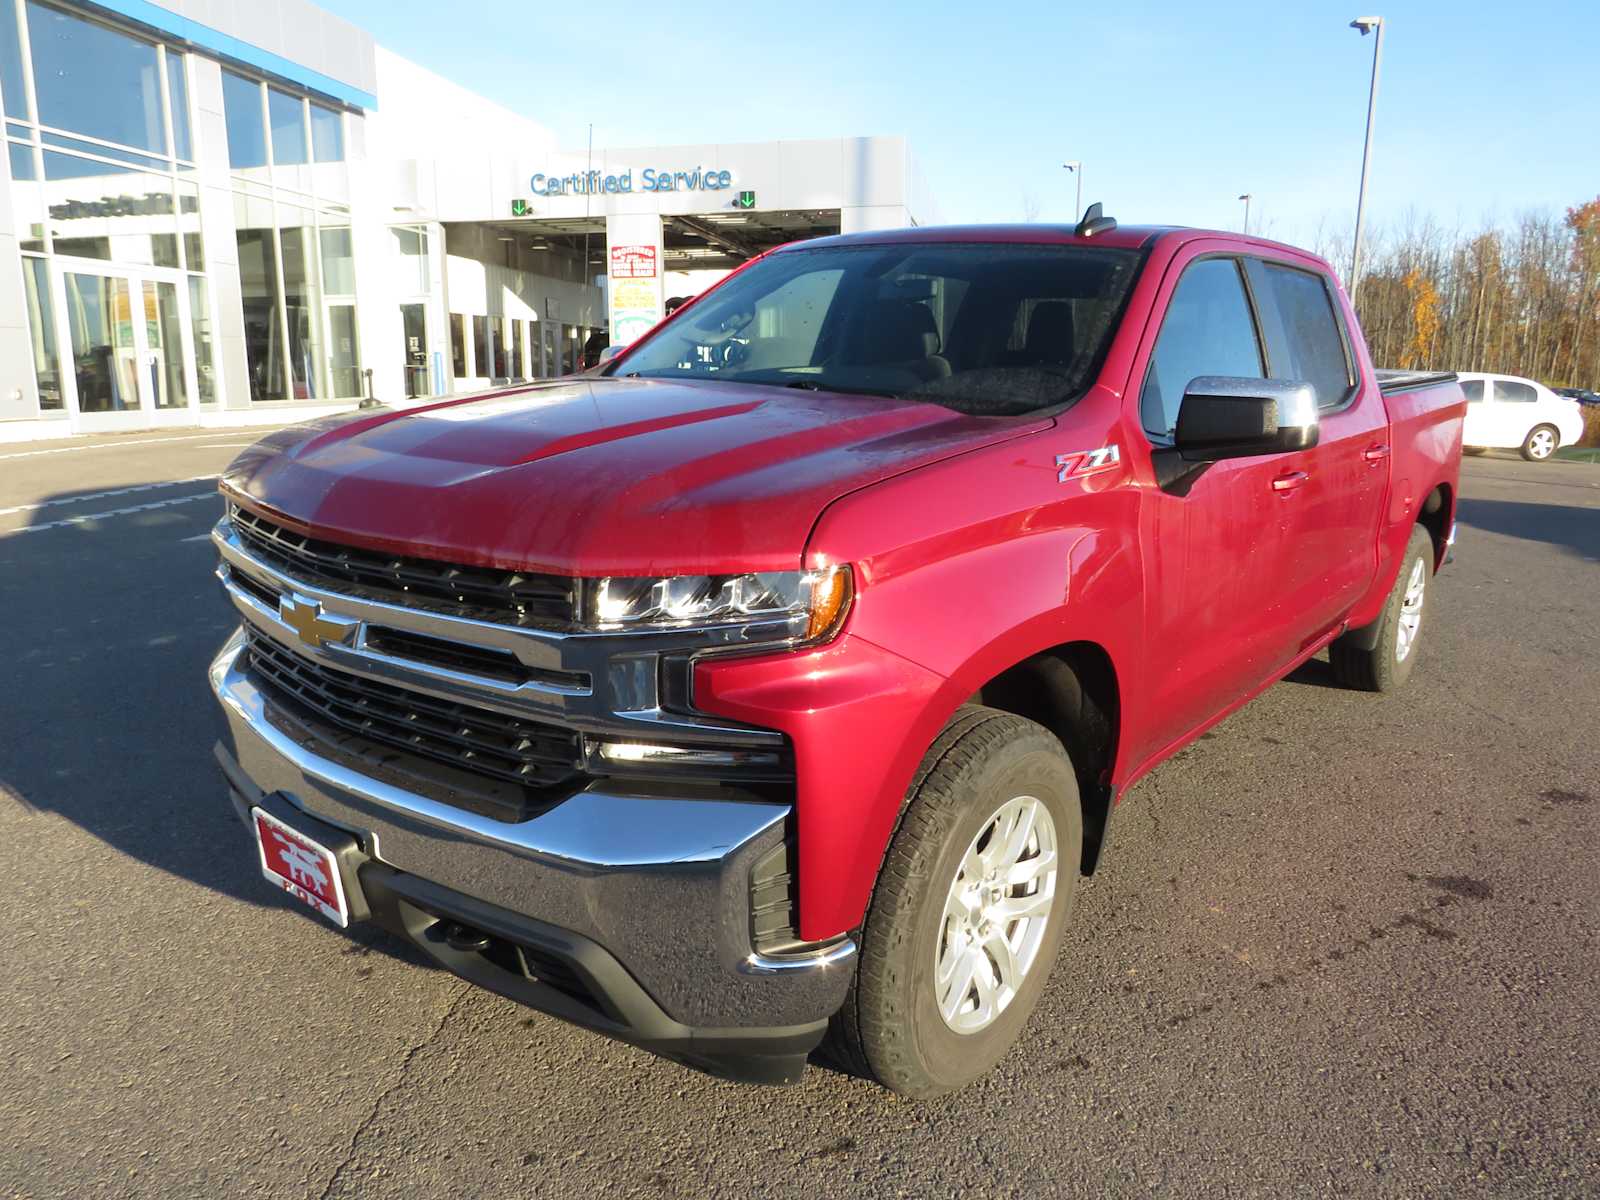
1381, 668
1541, 454
890, 1028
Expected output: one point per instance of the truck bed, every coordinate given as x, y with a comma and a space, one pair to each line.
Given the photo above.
1391, 381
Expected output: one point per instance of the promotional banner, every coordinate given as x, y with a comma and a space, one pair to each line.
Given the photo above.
634, 271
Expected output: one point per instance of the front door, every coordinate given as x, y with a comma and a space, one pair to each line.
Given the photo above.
133, 364
1218, 620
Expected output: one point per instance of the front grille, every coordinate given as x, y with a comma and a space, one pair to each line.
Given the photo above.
483, 593
478, 741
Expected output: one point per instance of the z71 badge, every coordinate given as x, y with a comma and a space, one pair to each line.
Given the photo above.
1086, 462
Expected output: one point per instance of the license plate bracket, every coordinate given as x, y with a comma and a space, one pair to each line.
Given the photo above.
301, 865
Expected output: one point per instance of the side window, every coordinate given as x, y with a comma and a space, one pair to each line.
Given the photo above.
1208, 330
1472, 389
1316, 351
1515, 393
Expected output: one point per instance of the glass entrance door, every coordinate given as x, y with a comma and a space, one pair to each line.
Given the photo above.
105, 353
131, 353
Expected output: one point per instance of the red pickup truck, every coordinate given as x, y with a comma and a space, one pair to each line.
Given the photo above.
777, 681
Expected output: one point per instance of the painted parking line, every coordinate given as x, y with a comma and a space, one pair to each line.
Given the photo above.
84, 499
132, 442
88, 518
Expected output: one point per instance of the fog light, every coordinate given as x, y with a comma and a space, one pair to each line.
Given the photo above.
688, 756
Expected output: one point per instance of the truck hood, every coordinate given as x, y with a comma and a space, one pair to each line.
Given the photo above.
601, 476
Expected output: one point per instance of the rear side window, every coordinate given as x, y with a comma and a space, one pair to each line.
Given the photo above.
1208, 330
1472, 389
1311, 330
1515, 393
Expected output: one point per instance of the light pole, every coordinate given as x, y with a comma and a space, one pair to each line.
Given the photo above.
1246, 199
1366, 25
1076, 168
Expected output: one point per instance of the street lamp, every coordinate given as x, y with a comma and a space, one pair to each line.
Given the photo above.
1246, 199
1076, 168
1366, 25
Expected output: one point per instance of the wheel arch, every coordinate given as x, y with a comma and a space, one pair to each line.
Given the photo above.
1073, 690
1436, 514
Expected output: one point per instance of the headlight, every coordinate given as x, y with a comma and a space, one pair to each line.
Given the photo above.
813, 603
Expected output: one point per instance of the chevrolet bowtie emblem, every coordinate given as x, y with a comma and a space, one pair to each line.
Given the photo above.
306, 618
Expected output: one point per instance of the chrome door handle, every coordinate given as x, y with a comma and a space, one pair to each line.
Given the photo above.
1289, 481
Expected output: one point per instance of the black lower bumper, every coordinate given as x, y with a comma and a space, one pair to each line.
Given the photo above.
542, 966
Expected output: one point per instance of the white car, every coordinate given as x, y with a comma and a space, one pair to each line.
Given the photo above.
1509, 413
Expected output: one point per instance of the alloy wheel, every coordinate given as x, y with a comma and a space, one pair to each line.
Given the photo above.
995, 914
1411, 611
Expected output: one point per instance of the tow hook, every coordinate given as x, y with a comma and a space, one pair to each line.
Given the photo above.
464, 938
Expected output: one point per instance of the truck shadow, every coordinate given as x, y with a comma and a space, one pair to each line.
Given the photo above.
1569, 526
109, 722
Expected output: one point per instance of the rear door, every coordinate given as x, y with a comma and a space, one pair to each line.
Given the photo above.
1331, 563
1515, 410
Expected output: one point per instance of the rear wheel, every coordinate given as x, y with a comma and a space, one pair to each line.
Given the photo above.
1542, 442
1388, 662
975, 891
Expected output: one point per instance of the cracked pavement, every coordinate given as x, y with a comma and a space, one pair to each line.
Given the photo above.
1356, 954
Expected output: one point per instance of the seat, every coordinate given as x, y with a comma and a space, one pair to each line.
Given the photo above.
901, 333
1050, 341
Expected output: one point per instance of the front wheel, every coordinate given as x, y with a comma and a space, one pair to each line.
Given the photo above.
1542, 442
975, 891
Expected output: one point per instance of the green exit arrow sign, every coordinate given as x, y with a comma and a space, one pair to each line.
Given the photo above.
745, 200
519, 208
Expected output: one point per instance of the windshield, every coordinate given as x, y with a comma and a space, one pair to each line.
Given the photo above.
986, 329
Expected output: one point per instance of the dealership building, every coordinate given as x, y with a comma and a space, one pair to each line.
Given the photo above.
245, 211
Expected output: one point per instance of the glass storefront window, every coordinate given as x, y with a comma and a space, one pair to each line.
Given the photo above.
287, 116
458, 345
327, 134
412, 247
338, 262
27, 199
148, 162
303, 300
93, 80
13, 96
42, 331
21, 161
178, 92
480, 345
164, 339
189, 226
516, 349
247, 139
110, 212
502, 368
263, 304
344, 353
200, 330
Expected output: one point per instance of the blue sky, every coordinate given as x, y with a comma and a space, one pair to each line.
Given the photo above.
1486, 110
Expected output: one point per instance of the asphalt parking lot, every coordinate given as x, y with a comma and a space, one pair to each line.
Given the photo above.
1343, 945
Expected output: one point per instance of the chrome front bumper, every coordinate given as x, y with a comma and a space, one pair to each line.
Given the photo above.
662, 883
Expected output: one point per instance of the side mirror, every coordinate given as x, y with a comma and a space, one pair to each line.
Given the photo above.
609, 353
1223, 416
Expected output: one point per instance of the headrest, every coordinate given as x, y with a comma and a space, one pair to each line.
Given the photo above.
899, 331
1050, 333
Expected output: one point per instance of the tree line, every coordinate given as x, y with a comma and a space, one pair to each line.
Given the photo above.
1523, 300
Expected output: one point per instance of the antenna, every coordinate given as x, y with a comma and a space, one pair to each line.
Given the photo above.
1094, 221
